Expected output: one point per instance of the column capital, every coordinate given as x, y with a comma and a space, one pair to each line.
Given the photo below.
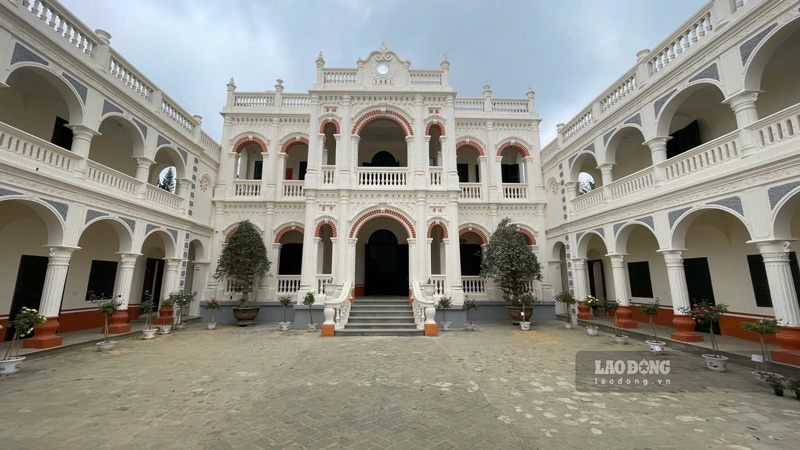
128, 260
616, 258
60, 254
673, 257
143, 161
606, 167
778, 249
83, 132
658, 142
742, 100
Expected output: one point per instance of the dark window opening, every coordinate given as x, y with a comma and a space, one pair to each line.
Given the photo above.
383, 159
463, 173
291, 259
303, 167
683, 140
758, 275
101, 279
62, 136
510, 173
639, 275
471, 259
257, 169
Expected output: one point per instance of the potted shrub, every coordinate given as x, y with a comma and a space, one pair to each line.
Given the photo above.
308, 300
776, 383
108, 308
509, 261
526, 302
619, 338
212, 305
469, 305
243, 261
586, 306
651, 309
763, 327
793, 384
611, 309
568, 300
23, 325
285, 301
445, 302
183, 301
705, 312
146, 308
165, 312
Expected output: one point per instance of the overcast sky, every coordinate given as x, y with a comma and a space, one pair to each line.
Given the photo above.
569, 50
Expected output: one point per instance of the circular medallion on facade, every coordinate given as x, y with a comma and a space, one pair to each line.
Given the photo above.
383, 69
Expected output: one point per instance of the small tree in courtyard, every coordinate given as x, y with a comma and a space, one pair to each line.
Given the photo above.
168, 182
243, 260
509, 261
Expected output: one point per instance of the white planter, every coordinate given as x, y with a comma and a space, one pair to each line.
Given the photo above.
620, 339
106, 346
656, 347
568, 326
284, 326
592, 331
429, 289
9, 366
149, 334
446, 326
471, 327
524, 326
211, 325
716, 364
312, 327
180, 326
164, 329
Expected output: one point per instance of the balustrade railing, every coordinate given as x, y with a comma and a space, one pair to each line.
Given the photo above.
778, 127
578, 125
592, 198
618, 92
698, 27
439, 282
322, 280
63, 23
473, 285
470, 191
469, 104
328, 175
296, 101
339, 76
247, 188
293, 188
288, 284
337, 306
436, 176
256, 99
111, 178
425, 78
382, 177
713, 153
129, 78
512, 106
174, 114
635, 182
36, 150
162, 197
515, 191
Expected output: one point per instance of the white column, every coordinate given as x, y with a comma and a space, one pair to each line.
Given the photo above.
125, 277
580, 279
680, 297
744, 107
781, 283
308, 271
620, 279
453, 252
658, 153
54, 280
81, 144
143, 173
170, 281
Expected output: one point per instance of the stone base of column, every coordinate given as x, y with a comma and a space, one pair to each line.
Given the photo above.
118, 323
133, 312
431, 329
685, 326
328, 330
164, 316
44, 335
624, 315
789, 340
584, 312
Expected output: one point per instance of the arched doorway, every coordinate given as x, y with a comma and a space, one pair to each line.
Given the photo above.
386, 265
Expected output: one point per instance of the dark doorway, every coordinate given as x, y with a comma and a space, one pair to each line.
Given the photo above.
386, 265
509, 173
383, 159
101, 279
153, 274
29, 287
463, 173
291, 259
594, 290
470, 259
698, 284
258, 167
62, 136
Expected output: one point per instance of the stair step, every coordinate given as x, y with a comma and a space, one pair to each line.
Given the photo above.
382, 305
381, 332
381, 311
380, 325
386, 303
397, 319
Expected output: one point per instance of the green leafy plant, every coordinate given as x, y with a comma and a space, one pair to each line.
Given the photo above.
526, 300
776, 383
213, 305
169, 301
651, 309
308, 300
243, 260
763, 327
108, 308
469, 305
591, 302
509, 261
285, 301
168, 182
568, 300
705, 312
793, 384
445, 303
183, 300
611, 306
22, 324
146, 308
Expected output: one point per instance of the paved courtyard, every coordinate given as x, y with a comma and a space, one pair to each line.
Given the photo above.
254, 388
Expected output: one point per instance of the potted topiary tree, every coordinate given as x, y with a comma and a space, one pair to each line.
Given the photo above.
212, 305
308, 300
763, 327
469, 305
165, 312
445, 302
705, 312
183, 301
108, 308
285, 301
509, 261
567, 300
22, 324
651, 309
146, 308
243, 261
526, 302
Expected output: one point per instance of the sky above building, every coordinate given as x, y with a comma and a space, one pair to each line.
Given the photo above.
568, 50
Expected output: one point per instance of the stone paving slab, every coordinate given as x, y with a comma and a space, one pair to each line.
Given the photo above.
257, 388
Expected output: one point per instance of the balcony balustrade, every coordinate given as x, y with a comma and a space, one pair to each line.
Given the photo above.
383, 177
247, 188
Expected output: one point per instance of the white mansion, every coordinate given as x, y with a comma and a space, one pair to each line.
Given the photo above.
381, 177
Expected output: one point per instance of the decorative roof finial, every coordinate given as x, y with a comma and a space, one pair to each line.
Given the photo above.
320, 61
487, 91
384, 48
231, 85
445, 63
530, 92
279, 85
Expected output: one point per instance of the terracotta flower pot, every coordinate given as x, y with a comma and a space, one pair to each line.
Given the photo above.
245, 315
165, 316
584, 312
515, 312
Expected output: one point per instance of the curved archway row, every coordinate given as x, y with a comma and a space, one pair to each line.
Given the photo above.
476, 232
318, 229
327, 123
288, 229
378, 115
375, 214
515, 145
528, 235
434, 124
243, 142
471, 144
297, 140
439, 224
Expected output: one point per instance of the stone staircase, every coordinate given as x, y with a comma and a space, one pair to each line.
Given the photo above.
381, 316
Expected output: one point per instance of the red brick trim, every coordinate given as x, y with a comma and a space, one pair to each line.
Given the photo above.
528, 235
288, 229
318, 230
329, 123
375, 214
516, 145
434, 124
437, 224
474, 231
473, 144
297, 140
241, 143
376, 115
230, 233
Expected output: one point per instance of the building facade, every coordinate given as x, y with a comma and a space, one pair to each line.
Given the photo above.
380, 176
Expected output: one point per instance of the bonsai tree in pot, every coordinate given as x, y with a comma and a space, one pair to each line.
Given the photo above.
108, 308
763, 327
705, 312
308, 300
651, 309
525, 300
567, 300
511, 264
22, 324
243, 260
285, 301
146, 308
445, 303
212, 305
183, 300
469, 305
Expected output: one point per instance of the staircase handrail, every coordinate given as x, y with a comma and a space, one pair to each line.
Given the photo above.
337, 307
424, 307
